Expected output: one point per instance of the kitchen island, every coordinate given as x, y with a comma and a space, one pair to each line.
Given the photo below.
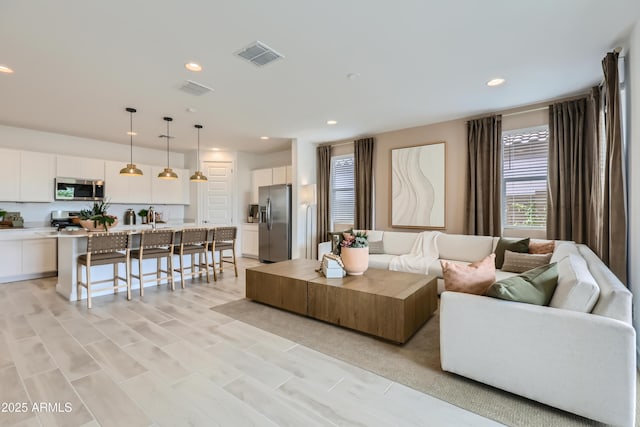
74, 243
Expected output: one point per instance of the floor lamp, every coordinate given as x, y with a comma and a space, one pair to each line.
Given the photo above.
308, 198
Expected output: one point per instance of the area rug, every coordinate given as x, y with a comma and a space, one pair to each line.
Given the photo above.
415, 364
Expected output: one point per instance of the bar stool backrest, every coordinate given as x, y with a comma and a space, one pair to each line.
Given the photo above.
104, 243
224, 234
156, 238
194, 236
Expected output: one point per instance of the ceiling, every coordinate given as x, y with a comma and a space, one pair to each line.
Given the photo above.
77, 64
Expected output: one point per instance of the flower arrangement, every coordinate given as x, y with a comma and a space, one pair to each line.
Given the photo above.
357, 239
98, 215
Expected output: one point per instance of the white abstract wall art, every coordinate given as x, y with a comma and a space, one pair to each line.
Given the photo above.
418, 186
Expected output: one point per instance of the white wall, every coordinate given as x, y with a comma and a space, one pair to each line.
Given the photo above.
304, 172
633, 81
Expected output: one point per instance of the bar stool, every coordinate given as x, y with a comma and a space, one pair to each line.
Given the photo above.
223, 239
193, 241
104, 249
155, 244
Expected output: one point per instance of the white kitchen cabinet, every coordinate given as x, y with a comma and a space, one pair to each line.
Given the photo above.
127, 189
9, 173
81, 167
39, 256
259, 178
11, 259
280, 175
26, 176
186, 186
166, 191
25, 257
36, 176
289, 175
250, 240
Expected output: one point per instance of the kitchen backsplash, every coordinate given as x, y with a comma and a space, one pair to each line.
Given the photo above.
39, 214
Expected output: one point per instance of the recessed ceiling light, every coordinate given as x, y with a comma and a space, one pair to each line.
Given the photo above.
191, 110
5, 69
353, 76
264, 137
332, 122
193, 66
132, 133
215, 149
495, 82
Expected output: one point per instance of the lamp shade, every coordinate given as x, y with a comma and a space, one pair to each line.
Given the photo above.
308, 194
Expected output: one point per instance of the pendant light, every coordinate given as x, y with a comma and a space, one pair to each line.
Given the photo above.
198, 176
167, 173
130, 169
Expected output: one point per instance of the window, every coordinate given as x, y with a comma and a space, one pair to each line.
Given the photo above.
343, 199
524, 177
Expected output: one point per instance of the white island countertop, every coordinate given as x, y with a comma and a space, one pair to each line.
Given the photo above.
28, 233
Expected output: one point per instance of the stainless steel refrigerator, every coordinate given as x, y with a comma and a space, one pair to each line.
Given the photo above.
274, 237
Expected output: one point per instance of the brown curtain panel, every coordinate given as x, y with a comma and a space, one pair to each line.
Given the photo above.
323, 191
483, 189
363, 159
573, 170
613, 241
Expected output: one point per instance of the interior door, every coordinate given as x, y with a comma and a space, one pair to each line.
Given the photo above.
218, 197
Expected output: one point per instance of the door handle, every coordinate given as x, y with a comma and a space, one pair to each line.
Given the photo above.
268, 214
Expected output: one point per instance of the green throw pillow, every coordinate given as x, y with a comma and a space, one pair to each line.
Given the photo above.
512, 245
532, 287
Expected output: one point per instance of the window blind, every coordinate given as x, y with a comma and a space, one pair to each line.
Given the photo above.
343, 199
525, 155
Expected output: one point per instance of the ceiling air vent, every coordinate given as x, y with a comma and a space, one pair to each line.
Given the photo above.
195, 88
259, 54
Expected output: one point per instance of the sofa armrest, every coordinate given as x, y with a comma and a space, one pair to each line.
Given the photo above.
579, 362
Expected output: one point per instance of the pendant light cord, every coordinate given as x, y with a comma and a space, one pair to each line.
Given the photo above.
168, 145
198, 153
131, 136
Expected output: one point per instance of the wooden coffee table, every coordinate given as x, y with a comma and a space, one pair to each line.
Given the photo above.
388, 304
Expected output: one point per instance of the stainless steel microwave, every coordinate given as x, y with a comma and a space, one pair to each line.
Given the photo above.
78, 189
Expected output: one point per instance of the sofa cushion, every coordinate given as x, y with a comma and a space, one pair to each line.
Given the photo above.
376, 247
474, 278
513, 245
461, 247
397, 242
435, 267
542, 246
380, 261
577, 289
519, 263
535, 286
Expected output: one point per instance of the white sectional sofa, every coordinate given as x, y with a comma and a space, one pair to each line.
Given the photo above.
578, 354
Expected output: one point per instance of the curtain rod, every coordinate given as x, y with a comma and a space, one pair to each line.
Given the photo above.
526, 111
336, 145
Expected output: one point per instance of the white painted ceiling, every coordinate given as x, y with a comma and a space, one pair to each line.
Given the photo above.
79, 63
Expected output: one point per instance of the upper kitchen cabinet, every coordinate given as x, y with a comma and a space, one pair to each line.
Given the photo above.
168, 191
80, 167
282, 175
9, 173
127, 189
26, 176
260, 178
36, 176
289, 174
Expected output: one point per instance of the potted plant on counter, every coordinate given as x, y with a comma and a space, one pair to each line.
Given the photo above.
144, 215
96, 218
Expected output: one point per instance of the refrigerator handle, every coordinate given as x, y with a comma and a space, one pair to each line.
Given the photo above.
268, 214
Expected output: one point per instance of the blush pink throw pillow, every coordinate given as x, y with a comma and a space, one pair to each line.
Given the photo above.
474, 278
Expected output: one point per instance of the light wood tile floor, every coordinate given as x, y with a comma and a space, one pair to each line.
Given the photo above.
168, 360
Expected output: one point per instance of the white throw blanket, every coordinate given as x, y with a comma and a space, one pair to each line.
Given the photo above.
423, 253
